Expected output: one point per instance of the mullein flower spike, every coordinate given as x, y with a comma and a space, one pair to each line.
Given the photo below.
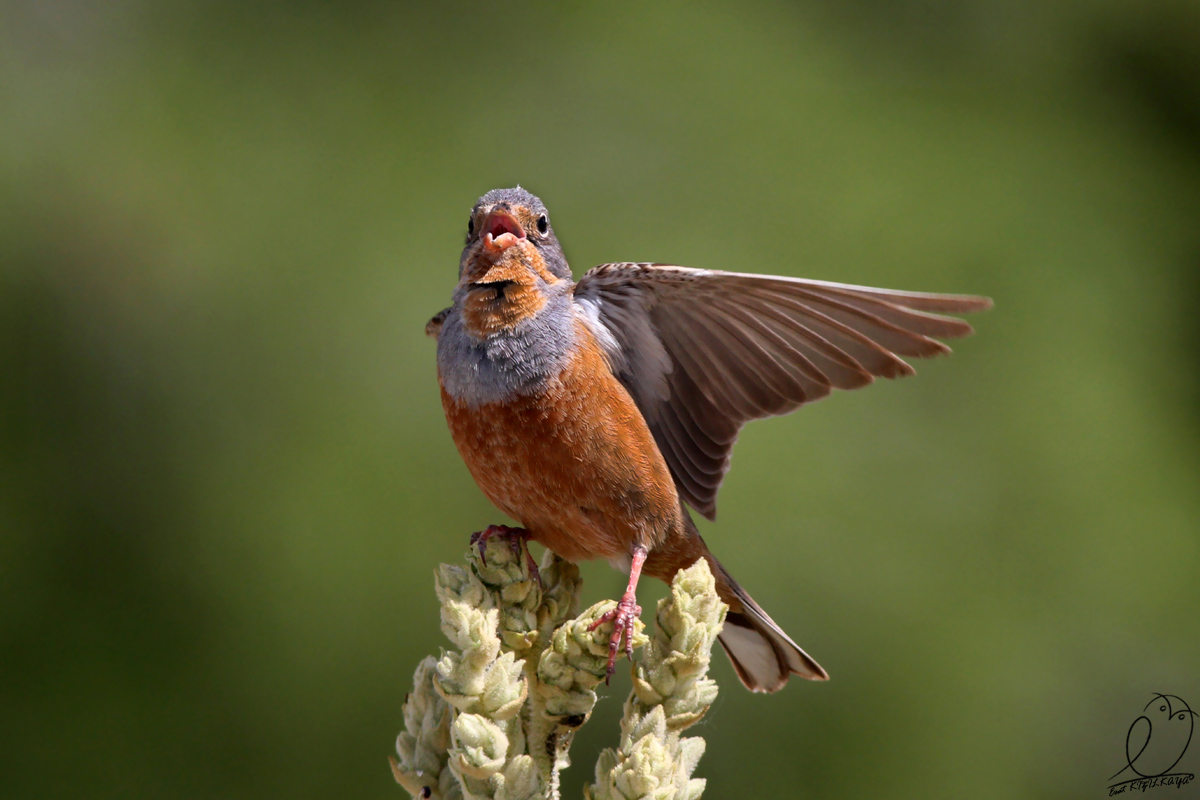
495, 717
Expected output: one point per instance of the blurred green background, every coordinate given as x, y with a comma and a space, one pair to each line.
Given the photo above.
224, 475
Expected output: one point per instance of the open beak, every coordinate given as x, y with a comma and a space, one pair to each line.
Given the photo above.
501, 230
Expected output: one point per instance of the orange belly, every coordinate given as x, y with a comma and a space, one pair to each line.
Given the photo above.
575, 463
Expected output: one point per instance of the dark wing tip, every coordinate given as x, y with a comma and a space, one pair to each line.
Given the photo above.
434, 326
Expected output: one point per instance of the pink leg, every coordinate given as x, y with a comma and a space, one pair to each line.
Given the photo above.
623, 616
515, 536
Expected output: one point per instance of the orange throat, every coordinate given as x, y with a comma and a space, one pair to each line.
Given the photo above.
503, 290
492, 308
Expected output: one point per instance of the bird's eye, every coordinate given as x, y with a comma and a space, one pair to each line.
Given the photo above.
1162, 708
470, 226
542, 224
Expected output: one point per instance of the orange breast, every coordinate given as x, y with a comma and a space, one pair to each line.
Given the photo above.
574, 463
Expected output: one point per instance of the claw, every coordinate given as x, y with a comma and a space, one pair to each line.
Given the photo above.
534, 572
623, 617
625, 614
515, 536
480, 538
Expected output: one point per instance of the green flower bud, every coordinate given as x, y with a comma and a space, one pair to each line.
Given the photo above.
422, 746
480, 746
504, 688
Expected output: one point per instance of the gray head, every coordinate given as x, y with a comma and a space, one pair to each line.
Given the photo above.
521, 214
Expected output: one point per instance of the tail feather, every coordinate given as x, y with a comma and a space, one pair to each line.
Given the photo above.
762, 654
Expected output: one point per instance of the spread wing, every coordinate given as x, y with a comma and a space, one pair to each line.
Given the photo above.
704, 352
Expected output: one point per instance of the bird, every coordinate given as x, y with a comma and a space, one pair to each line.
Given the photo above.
597, 412
1157, 739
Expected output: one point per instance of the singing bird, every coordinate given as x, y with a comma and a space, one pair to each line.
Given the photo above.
595, 411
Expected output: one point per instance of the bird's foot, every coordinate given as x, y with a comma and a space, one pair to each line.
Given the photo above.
515, 538
623, 618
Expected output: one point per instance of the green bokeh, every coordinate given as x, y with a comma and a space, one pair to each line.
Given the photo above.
224, 475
